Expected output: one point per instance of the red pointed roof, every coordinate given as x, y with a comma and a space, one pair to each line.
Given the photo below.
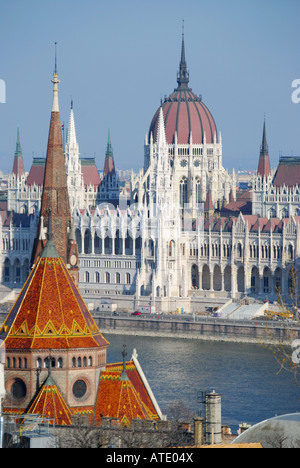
18, 167
264, 167
50, 312
123, 399
50, 403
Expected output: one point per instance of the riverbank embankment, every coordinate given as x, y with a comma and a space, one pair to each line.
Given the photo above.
214, 329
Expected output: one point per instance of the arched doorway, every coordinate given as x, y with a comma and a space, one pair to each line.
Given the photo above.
227, 278
267, 281
241, 279
255, 280
195, 277
87, 242
206, 278
217, 279
278, 280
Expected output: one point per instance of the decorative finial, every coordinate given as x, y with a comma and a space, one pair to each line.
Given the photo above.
124, 376
55, 66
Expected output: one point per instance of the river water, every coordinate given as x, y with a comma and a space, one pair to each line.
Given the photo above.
244, 374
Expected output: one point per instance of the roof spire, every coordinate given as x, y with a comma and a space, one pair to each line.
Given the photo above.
18, 167
183, 74
55, 81
264, 145
18, 144
109, 164
124, 376
264, 167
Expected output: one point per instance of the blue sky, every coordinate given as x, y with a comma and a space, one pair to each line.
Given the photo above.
118, 58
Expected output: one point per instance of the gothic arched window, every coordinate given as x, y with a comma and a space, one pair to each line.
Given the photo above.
183, 192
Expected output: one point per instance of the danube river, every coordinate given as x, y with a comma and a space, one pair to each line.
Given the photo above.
244, 374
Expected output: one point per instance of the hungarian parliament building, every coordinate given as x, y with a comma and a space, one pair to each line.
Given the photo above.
181, 230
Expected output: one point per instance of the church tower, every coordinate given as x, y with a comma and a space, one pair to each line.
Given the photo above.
55, 196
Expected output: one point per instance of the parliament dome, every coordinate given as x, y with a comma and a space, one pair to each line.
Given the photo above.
185, 113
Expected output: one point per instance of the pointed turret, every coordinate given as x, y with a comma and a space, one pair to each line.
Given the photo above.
264, 167
72, 144
55, 192
161, 132
51, 405
109, 165
18, 167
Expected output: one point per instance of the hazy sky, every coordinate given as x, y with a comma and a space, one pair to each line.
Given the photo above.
118, 58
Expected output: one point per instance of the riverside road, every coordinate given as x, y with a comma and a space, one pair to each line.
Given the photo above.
198, 327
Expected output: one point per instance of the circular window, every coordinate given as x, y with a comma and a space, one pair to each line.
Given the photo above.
79, 389
18, 390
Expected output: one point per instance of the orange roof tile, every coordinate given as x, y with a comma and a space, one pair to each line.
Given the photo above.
51, 405
50, 313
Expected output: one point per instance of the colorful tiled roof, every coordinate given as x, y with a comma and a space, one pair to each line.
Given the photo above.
50, 312
51, 405
123, 399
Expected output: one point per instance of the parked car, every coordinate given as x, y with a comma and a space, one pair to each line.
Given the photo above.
136, 313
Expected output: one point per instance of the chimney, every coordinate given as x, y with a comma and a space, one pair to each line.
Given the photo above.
198, 431
213, 418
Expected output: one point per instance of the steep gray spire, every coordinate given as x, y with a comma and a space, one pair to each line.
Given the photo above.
264, 145
183, 74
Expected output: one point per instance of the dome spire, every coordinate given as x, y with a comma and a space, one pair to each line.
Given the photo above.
183, 74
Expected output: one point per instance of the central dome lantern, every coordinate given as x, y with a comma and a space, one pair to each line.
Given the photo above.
185, 114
